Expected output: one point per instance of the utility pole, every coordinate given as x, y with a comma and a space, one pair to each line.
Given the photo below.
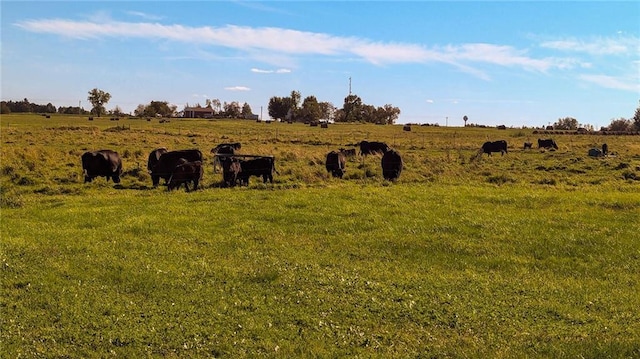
349, 85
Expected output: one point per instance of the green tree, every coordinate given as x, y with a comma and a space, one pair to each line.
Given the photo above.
310, 111
636, 119
327, 110
567, 123
246, 111
279, 107
388, 114
620, 124
232, 109
4, 108
352, 109
98, 99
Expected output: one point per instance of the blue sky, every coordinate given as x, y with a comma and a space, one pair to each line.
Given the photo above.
508, 62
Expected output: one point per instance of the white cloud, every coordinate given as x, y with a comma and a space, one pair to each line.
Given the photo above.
289, 42
144, 15
237, 88
620, 45
278, 71
627, 84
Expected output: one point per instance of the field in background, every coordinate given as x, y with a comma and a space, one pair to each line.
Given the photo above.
531, 254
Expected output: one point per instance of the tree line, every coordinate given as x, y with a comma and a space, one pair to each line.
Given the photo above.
291, 109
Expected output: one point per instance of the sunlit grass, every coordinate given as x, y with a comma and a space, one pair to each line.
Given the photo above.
528, 255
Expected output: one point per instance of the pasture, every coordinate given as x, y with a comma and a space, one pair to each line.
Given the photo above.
530, 254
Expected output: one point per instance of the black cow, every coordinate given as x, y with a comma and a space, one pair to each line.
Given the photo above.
262, 166
231, 169
370, 148
102, 163
548, 143
495, 146
335, 163
528, 145
168, 162
391, 165
154, 157
225, 149
605, 149
186, 172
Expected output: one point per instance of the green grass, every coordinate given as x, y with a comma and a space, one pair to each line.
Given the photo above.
528, 255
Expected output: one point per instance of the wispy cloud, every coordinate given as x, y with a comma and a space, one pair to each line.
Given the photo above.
299, 43
278, 71
619, 45
237, 88
144, 15
627, 84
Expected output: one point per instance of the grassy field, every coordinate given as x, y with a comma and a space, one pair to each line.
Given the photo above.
531, 254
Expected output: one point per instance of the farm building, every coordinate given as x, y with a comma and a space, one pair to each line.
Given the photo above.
198, 112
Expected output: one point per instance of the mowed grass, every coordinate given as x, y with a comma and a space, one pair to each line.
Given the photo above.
534, 254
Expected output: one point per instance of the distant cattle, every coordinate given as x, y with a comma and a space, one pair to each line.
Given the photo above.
335, 163
370, 148
259, 167
605, 149
168, 162
102, 163
528, 145
391, 165
231, 169
184, 173
547, 143
495, 146
154, 157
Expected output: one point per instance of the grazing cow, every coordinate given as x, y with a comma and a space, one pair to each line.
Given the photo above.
102, 163
186, 172
391, 165
168, 162
348, 152
154, 157
335, 163
548, 143
225, 149
262, 166
528, 145
231, 169
605, 149
370, 148
495, 146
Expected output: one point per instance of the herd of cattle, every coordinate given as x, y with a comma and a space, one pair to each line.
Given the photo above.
186, 166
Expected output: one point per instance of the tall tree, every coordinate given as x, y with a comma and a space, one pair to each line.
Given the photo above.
247, 113
98, 99
352, 109
620, 124
311, 110
280, 107
636, 119
232, 109
567, 123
